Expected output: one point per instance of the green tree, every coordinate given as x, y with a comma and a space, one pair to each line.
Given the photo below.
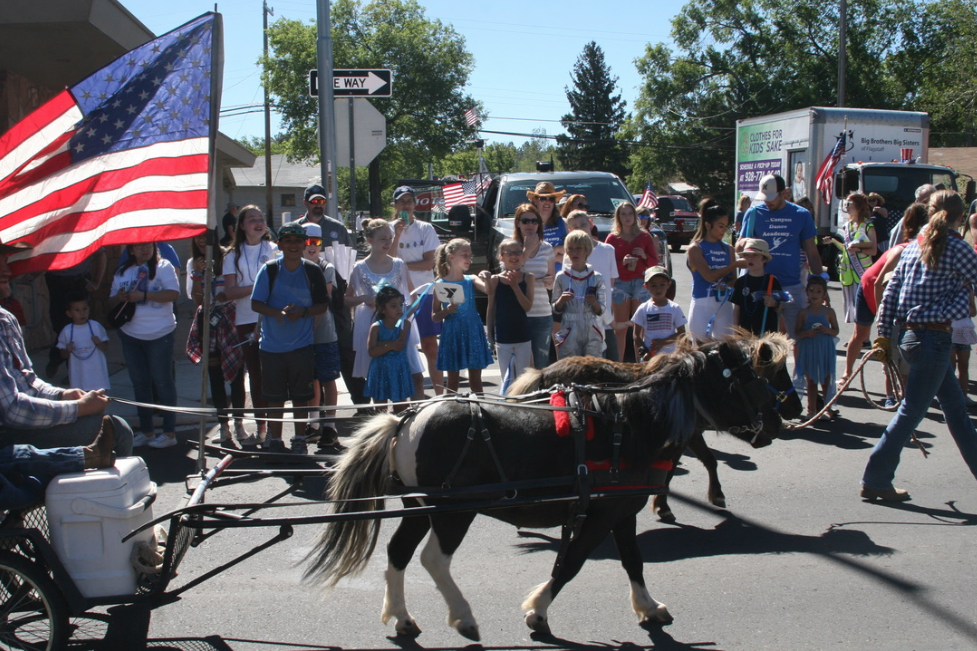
499, 158
539, 148
425, 115
596, 115
256, 144
742, 58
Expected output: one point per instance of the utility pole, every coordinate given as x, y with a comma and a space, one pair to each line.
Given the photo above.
327, 111
842, 49
269, 205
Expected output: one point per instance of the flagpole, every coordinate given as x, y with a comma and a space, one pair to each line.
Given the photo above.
213, 176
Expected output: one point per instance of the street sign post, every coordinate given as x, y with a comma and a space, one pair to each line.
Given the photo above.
355, 83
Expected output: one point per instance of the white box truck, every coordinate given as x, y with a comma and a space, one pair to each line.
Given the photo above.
886, 152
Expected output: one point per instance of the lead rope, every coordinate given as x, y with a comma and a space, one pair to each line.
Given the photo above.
891, 372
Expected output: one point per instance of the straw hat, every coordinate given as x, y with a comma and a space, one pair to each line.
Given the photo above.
756, 245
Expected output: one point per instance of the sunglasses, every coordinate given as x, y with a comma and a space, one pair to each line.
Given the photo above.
313, 241
317, 202
512, 252
529, 221
546, 198
583, 206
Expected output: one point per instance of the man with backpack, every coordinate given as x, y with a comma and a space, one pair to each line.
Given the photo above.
288, 297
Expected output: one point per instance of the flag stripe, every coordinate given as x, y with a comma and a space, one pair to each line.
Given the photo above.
455, 195
105, 174
35, 132
151, 225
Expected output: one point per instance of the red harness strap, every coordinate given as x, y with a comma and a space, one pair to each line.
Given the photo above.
562, 418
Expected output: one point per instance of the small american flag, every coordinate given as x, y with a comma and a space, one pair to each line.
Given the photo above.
823, 179
649, 199
121, 157
459, 194
471, 117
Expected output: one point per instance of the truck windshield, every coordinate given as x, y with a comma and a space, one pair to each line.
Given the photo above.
898, 185
604, 195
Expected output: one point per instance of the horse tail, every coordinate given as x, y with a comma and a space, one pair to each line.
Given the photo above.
344, 547
528, 382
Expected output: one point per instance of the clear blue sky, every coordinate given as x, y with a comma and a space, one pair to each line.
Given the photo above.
524, 51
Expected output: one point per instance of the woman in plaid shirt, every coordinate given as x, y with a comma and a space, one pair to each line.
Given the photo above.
929, 289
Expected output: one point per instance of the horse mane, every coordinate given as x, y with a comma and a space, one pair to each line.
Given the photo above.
769, 351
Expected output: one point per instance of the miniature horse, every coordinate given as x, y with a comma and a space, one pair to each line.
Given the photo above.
426, 450
772, 347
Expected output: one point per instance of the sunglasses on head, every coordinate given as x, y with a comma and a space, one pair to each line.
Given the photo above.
317, 202
529, 221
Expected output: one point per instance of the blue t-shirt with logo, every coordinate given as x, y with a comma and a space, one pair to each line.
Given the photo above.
784, 231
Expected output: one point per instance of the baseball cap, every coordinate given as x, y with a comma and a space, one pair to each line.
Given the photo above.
292, 229
312, 230
315, 190
657, 270
403, 190
770, 186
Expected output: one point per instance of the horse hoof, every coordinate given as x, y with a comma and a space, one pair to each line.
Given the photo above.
470, 631
666, 515
659, 615
537, 623
408, 628
719, 501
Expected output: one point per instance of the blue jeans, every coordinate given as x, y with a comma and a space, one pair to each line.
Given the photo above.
930, 374
150, 363
28, 460
81, 432
540, 332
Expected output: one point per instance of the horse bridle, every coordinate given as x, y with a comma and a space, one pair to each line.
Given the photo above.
741, 388
779, 397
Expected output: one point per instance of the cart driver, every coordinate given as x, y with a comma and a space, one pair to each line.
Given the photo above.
31, 410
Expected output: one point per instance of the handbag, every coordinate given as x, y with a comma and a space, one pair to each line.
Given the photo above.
121, 314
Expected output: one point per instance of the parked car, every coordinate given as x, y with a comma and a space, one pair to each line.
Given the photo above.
678, 219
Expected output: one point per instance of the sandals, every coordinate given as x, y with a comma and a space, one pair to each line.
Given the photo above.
841, 383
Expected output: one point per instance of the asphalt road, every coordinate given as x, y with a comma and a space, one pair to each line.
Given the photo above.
797, 561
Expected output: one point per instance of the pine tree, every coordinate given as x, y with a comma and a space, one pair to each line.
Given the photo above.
597, 112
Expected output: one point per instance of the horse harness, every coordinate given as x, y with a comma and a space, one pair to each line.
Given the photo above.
754, 386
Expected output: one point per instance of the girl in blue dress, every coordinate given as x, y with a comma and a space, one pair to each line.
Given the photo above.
817, 332
463, 343
389, 377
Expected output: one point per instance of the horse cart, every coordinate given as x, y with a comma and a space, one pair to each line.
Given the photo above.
515, 464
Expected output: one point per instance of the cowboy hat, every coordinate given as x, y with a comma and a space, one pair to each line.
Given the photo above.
545, 189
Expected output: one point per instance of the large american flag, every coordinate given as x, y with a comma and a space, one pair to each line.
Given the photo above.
460, 194
649, 199
121, 157
824, 180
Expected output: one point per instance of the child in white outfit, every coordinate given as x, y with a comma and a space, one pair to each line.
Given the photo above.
83, 343
580, 294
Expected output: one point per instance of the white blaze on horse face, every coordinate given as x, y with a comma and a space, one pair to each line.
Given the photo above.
405, 452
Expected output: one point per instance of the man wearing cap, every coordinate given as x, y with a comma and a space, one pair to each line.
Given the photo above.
333, 230
787, 229
35, 412
415, 242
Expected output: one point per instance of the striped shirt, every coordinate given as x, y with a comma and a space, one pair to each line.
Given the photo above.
26, 401
917, 294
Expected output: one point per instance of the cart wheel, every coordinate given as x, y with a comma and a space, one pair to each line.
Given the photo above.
33, 614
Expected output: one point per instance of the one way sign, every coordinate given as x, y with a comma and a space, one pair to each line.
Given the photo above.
355, 83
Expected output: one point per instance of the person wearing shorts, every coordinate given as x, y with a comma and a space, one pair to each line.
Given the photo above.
288, 307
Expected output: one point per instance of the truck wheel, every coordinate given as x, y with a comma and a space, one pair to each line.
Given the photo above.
33, 614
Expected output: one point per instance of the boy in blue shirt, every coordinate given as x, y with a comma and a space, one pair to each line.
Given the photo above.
288, 293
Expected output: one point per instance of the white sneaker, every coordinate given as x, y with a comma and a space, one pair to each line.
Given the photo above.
140, 440
163, 441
